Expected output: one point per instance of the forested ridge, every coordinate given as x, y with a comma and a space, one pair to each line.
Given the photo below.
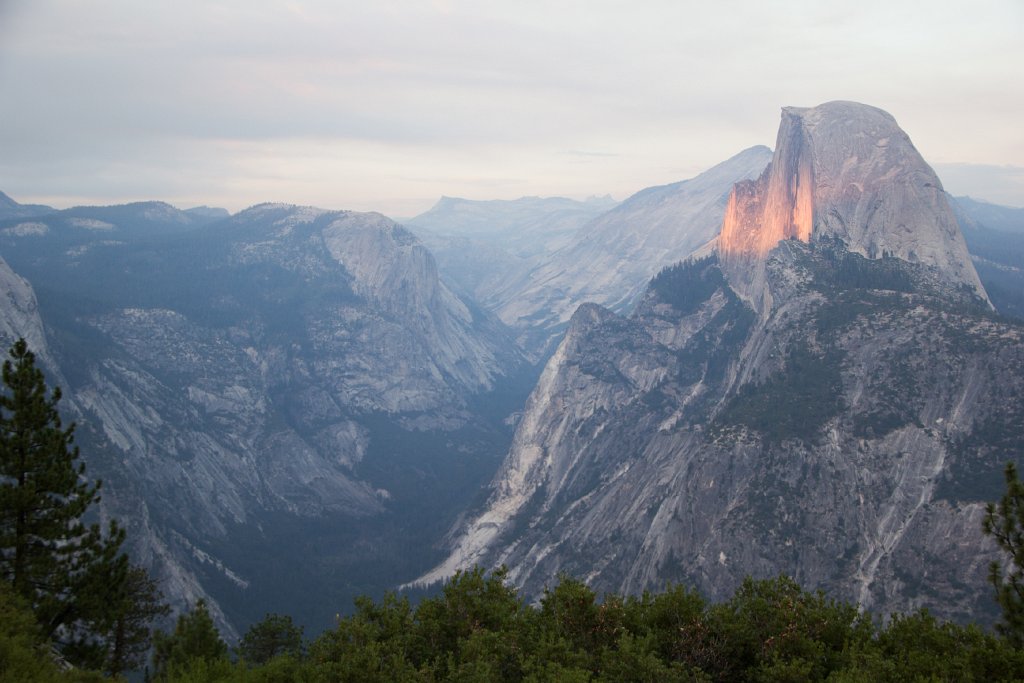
73, 609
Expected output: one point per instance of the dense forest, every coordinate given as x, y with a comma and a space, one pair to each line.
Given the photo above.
478, 629
72, 607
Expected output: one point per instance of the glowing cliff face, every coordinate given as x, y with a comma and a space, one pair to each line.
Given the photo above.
845, 171
779, 205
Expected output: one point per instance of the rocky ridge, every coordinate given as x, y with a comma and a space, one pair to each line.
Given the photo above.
12, 209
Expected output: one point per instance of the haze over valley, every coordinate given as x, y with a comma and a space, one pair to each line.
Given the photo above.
351, 301
292, 406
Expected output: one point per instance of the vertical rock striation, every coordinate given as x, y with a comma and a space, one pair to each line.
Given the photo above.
846, 171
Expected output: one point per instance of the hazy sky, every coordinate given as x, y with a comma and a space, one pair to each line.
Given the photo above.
387, 105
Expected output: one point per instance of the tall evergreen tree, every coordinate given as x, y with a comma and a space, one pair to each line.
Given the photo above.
1005, 523
65, 570
195, 637
125, 627
276, 635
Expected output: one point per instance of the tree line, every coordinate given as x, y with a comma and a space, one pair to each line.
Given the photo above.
73, 608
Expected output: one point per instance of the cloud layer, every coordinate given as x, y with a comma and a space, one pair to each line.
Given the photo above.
388, 105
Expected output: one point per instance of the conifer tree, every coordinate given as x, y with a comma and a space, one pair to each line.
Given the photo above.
66, 571
1005, 523
126, 625
277, 634
195, 637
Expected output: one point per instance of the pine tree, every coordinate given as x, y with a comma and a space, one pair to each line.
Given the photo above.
66, 571
126, 625
276, 635
1005, 523
195, 637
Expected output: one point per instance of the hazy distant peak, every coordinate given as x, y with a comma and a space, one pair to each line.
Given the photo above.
605, 199
993, 216
9, 208
475, 218
152, 204
738, 165
7, 202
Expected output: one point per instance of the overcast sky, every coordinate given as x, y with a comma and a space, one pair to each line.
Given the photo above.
387, 105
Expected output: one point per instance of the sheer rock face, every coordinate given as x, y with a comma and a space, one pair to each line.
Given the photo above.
850, 440
19, 313
843, 170
391, 268
824, 399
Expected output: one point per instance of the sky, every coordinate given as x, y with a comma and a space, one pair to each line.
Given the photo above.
388, 105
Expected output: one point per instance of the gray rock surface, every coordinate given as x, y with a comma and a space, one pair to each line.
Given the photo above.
19, 314
843, 170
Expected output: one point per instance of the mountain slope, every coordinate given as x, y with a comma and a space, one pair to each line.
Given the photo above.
12, 209
808, 405
612, 257
507, 239
997, 253
284, 405
993, 216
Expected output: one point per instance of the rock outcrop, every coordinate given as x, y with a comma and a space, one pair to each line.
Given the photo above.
846, 171
19, 314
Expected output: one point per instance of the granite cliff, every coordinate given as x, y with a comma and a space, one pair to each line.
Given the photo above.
847, 171
829, 396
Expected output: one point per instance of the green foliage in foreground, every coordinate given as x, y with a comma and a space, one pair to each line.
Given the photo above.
1005, 523
25, 654
86, 598
478, 629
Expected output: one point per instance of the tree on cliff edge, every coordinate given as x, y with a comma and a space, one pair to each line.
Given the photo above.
1005, 523
66, 571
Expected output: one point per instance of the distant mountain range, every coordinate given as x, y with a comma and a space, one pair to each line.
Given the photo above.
995, 238
603, 256
291, 406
